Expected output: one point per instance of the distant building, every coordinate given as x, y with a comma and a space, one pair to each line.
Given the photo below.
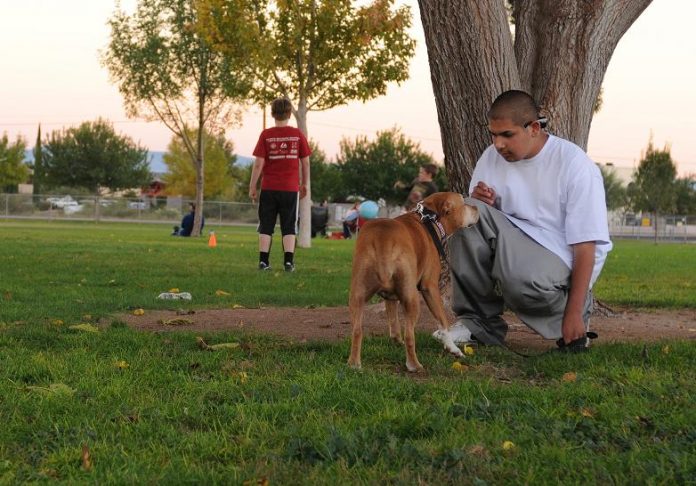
624, 174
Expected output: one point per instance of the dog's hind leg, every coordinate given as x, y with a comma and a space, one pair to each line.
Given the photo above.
411, 307
432, 297
357, 303
392, 308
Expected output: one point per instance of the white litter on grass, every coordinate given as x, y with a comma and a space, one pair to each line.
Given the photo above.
174, 296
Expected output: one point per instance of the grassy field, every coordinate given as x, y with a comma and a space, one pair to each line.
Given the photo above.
154, 408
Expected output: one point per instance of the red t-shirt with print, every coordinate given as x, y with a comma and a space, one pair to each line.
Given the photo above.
282, 148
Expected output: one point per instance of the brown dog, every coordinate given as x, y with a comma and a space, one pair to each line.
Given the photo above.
395, 258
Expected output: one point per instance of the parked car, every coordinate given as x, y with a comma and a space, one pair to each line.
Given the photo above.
137, 205
62, 202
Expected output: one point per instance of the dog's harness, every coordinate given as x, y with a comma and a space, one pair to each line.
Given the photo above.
437, 234
429, 219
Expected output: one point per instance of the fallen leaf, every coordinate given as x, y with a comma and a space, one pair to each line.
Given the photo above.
87, 317
469, 351
457, 366
508, 445
221, 293
243, 377
138, 312
174, 290
57, 322
238, 306
177, 321
665, 349
201, 343
84, 328
121, 364
86, 458
217, 347
570, 377
586, 412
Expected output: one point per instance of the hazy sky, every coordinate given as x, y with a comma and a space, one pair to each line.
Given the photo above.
51, 75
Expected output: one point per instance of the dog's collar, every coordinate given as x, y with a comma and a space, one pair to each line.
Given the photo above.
429, 216
434, 227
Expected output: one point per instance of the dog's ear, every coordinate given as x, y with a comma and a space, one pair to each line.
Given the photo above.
447, 207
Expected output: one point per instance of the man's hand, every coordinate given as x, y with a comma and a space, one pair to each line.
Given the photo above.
303, 191
484, 193
252, 193
573, 327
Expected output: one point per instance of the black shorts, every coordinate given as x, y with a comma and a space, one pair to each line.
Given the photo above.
274, 203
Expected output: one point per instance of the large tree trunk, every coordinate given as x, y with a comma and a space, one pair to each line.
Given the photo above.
562, 50
471, 61
304, 238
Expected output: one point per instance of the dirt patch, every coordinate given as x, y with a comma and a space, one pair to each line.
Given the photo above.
333, 324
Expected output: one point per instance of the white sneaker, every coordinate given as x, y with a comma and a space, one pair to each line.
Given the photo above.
459, 333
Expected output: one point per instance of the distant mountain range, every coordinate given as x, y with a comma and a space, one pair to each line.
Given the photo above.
157, 165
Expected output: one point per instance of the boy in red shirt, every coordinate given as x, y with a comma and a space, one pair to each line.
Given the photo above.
280, 152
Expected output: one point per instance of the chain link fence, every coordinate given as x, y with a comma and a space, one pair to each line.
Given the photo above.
94, 208
678, 228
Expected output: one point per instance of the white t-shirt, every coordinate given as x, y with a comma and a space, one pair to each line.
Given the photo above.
556, 197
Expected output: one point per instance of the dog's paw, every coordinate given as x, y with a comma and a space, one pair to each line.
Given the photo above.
415, 368
355, 365
456, 352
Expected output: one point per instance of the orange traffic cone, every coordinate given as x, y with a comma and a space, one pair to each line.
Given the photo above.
212, 241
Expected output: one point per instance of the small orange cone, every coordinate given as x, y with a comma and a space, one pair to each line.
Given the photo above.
212, 241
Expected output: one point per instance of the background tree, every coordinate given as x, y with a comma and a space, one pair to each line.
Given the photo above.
559, 54
39, 170
166, 71
370, 168
653, 186
318, 53
220, 181
92, 156
685, 197
327, 181
13, 171
614, 190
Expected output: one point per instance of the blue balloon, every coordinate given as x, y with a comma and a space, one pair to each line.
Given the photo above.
368, 209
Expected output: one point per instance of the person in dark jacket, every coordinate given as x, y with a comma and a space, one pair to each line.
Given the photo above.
187, 223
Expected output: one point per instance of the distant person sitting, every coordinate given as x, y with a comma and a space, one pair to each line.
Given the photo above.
187, 223
350, 221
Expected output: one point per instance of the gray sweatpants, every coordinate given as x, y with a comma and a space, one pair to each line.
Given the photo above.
494, 264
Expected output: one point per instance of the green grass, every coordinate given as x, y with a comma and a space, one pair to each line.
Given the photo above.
295, 414
642, 274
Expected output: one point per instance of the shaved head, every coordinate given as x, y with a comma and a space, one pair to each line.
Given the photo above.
514, 105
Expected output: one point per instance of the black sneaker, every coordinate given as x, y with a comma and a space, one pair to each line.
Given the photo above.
289, 267
264, 266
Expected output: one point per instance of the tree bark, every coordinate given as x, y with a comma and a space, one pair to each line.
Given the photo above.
200, 159
471, 59
304, 238
561, 52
